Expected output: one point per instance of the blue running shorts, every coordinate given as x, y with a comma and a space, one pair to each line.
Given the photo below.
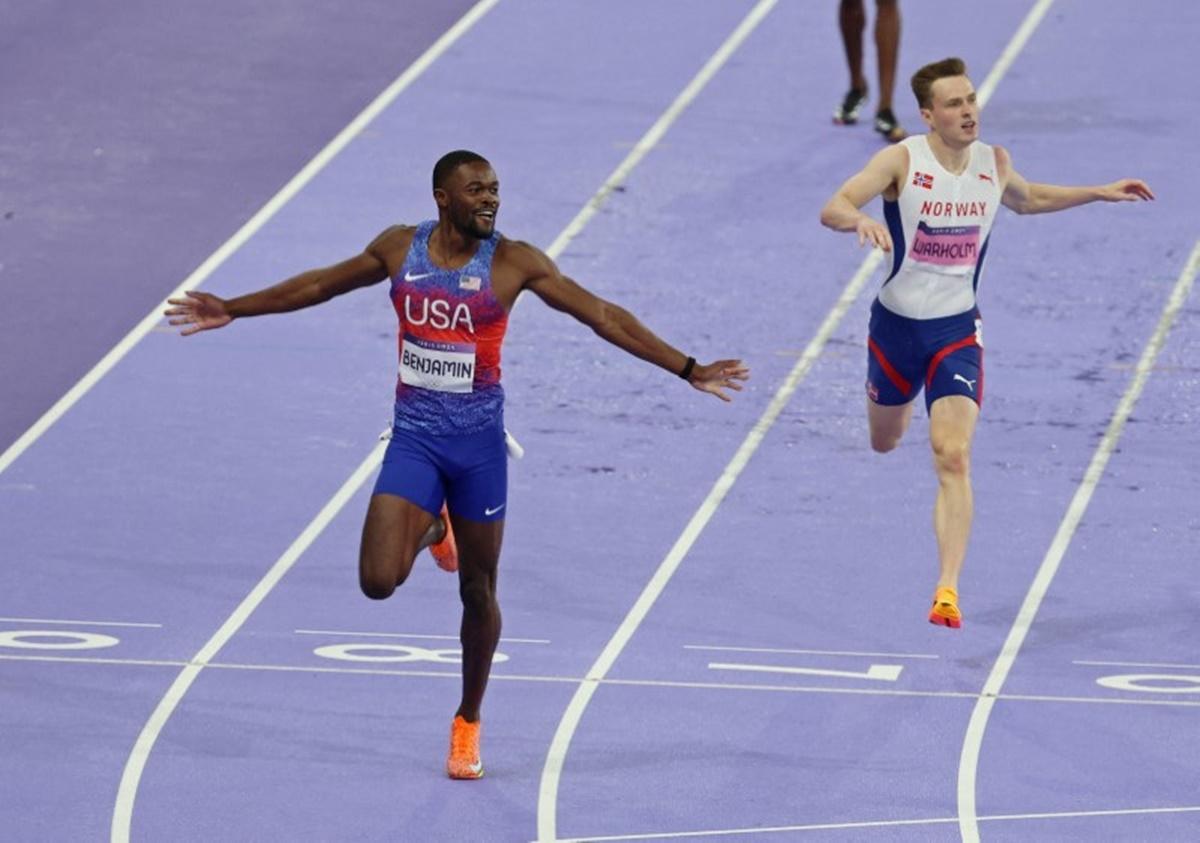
467, 471
944, 355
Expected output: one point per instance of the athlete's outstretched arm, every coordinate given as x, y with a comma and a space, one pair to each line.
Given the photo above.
1027, 197
885, 170
203, 311
619, 326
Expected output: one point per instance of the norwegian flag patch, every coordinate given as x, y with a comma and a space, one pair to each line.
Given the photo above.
922, 180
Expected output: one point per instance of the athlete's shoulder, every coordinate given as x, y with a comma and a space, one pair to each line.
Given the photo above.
892, 159
394, 238
526, 257
1003, 160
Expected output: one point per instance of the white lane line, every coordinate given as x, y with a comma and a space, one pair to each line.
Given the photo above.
135, 764
82, 623
973, 740
547, 819
574, 680
1139, 664
807, 652
131, 776
984, 92
655, 133
243, 234
411, 635
728, 832
122, 816
556, 757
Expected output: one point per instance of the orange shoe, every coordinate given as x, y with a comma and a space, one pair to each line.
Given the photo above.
945, 609
464, 762
445, 552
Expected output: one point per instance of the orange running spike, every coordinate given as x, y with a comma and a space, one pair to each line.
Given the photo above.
464, 761
945, 609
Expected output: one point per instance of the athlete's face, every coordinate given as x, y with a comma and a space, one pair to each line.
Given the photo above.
954, 114
471, 198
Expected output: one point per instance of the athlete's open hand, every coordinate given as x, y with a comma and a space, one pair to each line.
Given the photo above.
717, 377
1126, 190
199, 311
874, 232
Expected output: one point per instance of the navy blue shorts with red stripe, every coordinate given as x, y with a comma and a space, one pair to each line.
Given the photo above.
944, 356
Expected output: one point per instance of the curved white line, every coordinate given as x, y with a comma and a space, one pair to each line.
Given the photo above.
968, 821
552, 771
843, 826
136, 763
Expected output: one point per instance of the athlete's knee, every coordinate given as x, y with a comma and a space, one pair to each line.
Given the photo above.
377, 588
881, 443
379, 581
952, 455
478, 593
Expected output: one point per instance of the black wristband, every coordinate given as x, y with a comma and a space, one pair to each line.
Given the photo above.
686, 374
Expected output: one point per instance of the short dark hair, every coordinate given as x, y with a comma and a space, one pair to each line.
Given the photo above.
450, 162
923, 79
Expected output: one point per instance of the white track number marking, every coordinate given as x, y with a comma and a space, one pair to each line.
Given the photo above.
395, 654
877, 672
44, 639
1152, 683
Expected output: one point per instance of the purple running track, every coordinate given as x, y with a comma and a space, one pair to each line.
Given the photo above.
137, 137
165, 495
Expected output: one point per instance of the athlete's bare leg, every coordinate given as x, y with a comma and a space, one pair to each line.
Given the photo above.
887, 47
951, 427
852, 20
394, 531
478, 560
887, 424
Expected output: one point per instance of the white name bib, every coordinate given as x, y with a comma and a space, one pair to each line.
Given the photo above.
441, 366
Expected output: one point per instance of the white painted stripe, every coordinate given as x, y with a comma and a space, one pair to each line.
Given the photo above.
973, 740
655, 133
411, 635
135, 764
556, 757
243, 234
1017, 43
574, 680
1140, 664
82, 623
1058, 815
131, 776
807, 652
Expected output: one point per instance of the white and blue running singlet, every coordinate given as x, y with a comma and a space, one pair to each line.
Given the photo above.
925, 328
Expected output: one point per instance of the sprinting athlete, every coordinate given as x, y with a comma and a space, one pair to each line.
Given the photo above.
940, 195
453, 282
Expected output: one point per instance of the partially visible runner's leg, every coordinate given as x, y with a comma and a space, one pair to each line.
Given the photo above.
480, 633
951, 428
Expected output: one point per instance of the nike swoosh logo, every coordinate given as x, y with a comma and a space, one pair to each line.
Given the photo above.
408, 276
490, 511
